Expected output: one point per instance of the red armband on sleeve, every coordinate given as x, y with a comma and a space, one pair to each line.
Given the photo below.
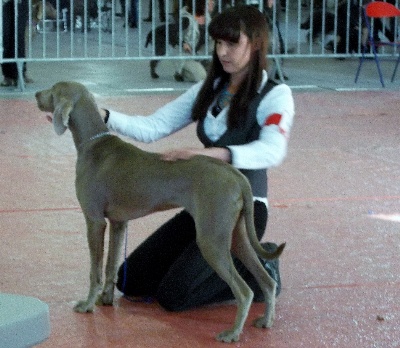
275, 119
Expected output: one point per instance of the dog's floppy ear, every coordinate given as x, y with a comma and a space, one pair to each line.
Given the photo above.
62, 109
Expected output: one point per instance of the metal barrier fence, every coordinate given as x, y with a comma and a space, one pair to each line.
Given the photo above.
72, 30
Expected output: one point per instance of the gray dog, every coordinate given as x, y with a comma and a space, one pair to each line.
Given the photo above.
217, 196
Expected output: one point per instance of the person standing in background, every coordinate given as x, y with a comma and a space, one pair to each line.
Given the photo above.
14, 25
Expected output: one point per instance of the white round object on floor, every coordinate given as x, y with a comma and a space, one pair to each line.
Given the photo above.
24, 321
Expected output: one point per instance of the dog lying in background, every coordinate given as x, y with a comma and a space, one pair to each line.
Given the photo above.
161, 40
105, 163
316, 27
189, 69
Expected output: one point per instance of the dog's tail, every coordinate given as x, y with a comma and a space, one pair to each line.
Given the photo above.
248, 213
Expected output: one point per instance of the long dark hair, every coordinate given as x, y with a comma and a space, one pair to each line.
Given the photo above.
227, 26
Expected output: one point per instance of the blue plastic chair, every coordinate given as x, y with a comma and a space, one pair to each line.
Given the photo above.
379, 9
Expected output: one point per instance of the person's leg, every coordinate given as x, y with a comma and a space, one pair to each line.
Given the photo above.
133, 14
147, 265
179, 64
150, 16
161, 10
153, 67
202, 37
123, 9
10, 71
191, 282
193, 71
23, 15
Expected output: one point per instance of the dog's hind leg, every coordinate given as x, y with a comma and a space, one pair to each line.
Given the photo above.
95, 236
116, 239
153, 66
214, 242
243, 250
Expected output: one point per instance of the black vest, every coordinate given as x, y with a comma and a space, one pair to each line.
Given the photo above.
248, 132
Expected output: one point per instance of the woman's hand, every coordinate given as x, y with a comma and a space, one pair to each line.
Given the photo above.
180, 154
220, 153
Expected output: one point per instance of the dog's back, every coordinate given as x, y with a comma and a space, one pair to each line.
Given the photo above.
163, 35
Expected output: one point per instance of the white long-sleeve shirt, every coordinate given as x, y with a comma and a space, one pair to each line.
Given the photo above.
274, 114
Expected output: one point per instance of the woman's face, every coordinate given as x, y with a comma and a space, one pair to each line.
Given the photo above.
235, 56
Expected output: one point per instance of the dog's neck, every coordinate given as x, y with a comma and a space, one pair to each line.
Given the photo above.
88, 128
94, 137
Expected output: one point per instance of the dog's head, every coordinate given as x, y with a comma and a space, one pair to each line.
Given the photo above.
61, 100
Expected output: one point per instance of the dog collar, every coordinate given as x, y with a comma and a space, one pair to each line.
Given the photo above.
94, 137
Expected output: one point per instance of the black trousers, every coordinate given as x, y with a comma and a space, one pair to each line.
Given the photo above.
169, 266
161, 9
13, 48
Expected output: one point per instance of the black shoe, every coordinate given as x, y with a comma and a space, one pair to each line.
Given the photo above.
272, 267
9, 82
277, 77
148, 19
178, 77
154, 75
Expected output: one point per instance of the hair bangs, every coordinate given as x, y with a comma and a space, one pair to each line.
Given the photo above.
226, 26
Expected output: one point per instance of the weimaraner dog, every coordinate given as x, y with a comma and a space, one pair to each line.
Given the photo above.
217, 195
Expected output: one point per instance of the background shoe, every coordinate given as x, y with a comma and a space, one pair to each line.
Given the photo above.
8, 82
277, 77
27, 79
178, 77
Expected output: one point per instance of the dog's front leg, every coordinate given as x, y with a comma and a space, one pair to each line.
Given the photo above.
95, 235
117, 230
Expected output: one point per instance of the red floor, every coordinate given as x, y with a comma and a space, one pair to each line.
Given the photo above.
335, 201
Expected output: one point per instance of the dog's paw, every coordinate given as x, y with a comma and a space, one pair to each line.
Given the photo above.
263, 322
105, 299
228, 336
84, 307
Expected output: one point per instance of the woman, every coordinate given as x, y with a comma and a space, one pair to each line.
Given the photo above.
252, 136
